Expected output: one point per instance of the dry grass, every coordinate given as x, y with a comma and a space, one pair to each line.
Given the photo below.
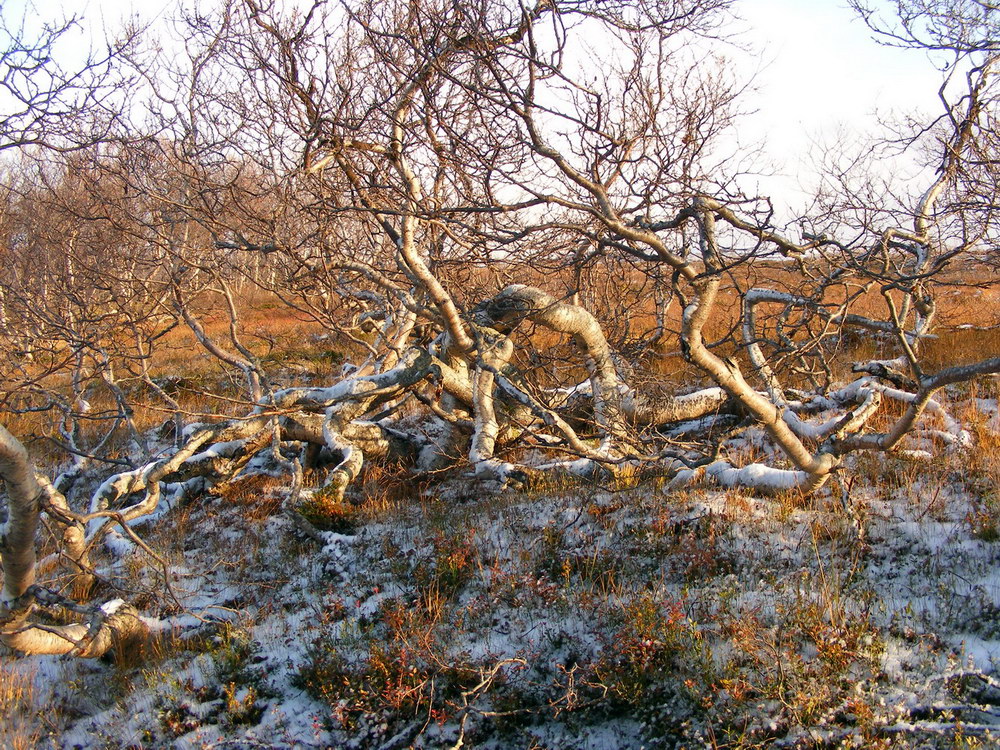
259, 496
20, 726
286, 344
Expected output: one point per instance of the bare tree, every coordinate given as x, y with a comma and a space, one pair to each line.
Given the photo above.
58, 107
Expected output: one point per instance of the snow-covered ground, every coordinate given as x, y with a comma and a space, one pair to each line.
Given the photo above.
572, 616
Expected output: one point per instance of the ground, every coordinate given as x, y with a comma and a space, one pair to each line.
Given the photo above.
573, 615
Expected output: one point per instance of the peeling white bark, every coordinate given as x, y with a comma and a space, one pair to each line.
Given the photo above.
726, 373
106, 632
764, 478
519, 302
494, 356
17, 535
17, 554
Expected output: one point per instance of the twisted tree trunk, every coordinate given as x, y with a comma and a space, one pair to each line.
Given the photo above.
109, 625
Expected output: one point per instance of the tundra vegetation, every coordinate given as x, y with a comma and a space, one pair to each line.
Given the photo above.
423, 373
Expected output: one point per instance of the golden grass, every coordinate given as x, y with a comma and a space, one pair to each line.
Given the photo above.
259, 495
20, 728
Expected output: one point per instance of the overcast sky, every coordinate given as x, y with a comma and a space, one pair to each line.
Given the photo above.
819, 71
823, 75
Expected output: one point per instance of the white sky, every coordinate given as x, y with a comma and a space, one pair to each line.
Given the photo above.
823, 76
820, 72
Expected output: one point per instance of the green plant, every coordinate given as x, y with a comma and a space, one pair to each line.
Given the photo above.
393, 668
328, 513
451, 564
241, 704
656, 649
177, 719
983, 518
